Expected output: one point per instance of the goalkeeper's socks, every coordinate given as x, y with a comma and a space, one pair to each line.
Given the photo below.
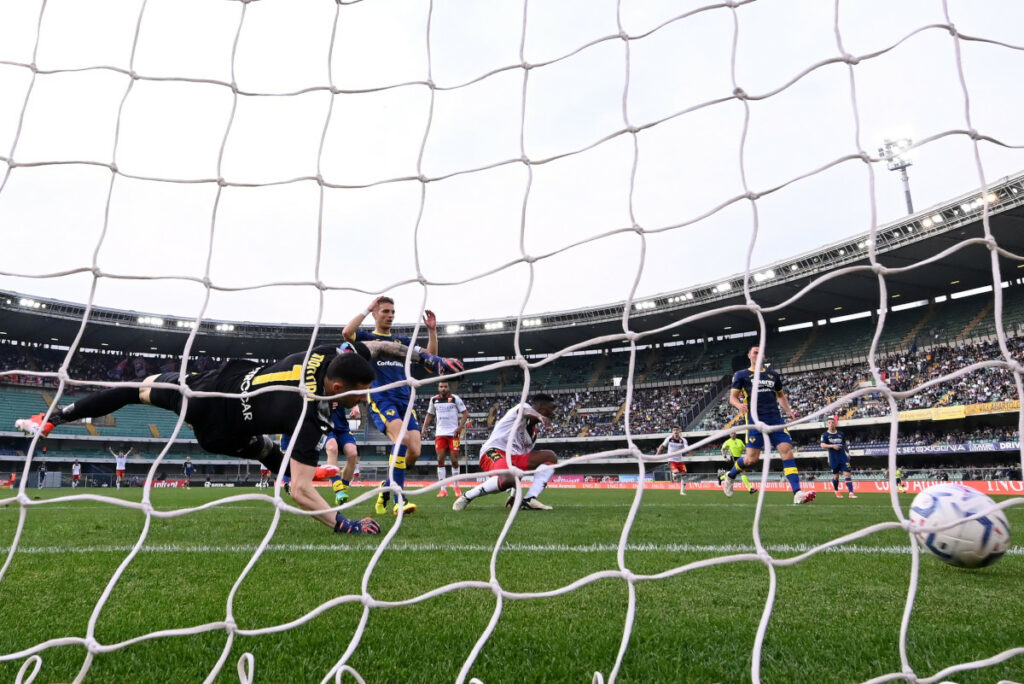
97, 404
849, 483
789, 468
746, 481
490, 486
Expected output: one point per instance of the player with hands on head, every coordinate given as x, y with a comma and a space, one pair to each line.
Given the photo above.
388, 407
771, 403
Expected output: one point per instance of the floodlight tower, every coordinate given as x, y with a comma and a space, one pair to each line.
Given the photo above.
894, 152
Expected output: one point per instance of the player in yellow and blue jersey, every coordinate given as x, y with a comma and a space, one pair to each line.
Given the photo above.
771, 402
388, 407
834, 441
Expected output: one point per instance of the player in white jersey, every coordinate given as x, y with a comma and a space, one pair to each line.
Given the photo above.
451, 414
676, 444
119, 463
76, 473
511, 445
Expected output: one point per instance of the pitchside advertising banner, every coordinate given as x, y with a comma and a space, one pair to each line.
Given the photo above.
994, 487
940, 449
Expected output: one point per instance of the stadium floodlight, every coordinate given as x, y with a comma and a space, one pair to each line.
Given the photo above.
793, 267
454, 328
724, 287
224, 327
494, 325
532, 322
764, 275
154, 321
187, 324
29, 303
895, 154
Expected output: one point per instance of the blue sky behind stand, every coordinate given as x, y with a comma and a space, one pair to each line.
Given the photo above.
51, 216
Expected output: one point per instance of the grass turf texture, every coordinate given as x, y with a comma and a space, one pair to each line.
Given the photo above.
836, 616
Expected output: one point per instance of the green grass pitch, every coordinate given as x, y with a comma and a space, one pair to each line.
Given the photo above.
836, 617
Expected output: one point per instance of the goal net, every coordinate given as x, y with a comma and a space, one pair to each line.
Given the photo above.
294, 160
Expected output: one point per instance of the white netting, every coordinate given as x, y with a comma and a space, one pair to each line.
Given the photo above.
625, 128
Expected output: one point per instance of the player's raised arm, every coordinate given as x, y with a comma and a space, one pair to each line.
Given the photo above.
349, 332
430, 321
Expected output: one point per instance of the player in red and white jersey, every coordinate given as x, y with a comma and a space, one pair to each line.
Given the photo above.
451, 414
119, 463
76, 473
676, 444
511, 445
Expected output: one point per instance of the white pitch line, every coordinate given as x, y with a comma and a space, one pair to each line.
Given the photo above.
480, 548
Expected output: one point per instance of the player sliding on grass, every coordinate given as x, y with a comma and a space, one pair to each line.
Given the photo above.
539, 411
770, 399
239, 426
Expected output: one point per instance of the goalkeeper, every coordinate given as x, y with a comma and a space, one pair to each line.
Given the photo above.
239, 426
733, 449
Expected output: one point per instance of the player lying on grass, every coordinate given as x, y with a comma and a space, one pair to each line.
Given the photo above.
834, 442
771, 401
239, 426
536, 413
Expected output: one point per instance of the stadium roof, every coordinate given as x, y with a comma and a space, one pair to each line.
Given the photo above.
826, 282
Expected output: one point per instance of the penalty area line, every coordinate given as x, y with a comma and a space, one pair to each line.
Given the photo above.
478, 548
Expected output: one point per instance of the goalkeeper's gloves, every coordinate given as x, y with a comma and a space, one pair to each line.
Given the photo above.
364, 526
440, 364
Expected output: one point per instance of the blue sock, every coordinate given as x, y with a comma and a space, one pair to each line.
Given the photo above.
835, 483
734, 472
346, 483
337, 478
849, 483
789, 468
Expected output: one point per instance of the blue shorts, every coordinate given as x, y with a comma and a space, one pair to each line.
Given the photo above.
755, 440
837, 462
384, 410
342, 438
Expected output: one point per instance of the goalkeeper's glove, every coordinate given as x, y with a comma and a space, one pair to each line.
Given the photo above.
364, 526
440, 364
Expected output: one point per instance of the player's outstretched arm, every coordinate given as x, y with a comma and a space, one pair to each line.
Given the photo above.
736, 401
397, 350
305, 494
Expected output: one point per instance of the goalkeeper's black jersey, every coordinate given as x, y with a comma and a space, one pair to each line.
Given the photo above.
277, 412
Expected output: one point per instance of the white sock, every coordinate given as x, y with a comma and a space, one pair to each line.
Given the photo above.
490, 486
540, 480
440, 473
456, 471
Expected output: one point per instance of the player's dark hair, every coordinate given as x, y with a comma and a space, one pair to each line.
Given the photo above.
541, 398
385, 300
352, 369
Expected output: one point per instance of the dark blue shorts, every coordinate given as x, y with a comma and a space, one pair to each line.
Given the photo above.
384, 410
342, 438
837, 462
755, 440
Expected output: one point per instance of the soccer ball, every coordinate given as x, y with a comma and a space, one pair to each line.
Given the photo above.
969, 544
